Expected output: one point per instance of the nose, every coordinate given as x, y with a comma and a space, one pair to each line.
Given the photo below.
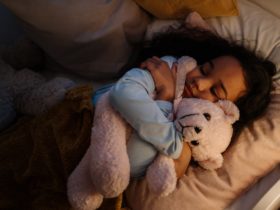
203, 84
197, 130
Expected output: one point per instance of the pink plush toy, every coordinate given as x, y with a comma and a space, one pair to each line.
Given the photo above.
104, 170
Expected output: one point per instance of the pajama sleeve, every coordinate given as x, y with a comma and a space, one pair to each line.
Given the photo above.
130, 96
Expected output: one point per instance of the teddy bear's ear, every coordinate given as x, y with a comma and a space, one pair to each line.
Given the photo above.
212, 163
230, 109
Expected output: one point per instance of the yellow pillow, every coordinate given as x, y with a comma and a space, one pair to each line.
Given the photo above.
173, 9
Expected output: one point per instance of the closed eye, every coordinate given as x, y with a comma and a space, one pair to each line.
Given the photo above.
213, 91
222, 94
202, 70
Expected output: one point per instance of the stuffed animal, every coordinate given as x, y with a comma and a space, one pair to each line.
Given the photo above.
104, 170
28, 92
207, 127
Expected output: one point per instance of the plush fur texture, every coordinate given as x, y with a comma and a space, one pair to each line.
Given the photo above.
207, 127
105, 166
161, 176
31, 92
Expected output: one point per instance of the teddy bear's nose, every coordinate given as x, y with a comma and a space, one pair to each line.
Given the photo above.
197, 129
194, 142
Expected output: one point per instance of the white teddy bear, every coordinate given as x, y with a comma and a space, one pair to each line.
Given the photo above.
104, 170
207, 127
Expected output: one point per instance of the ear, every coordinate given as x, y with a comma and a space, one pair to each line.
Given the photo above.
230, 109
212, 163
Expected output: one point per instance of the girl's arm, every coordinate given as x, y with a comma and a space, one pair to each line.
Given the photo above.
131, 97
163, 72
160, 72
182, 163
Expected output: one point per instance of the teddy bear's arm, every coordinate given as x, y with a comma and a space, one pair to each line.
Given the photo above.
162, 174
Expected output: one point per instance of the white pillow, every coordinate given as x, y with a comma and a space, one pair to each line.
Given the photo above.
272, 6
251, 197
255, 27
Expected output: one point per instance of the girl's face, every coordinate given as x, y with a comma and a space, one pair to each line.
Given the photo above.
220, 78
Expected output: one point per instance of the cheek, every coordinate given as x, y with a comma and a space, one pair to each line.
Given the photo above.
206, 95
236, 89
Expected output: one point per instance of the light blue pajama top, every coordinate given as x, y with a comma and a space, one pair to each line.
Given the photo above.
131, 97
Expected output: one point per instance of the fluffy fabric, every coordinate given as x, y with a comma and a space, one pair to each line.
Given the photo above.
111, 152
7, 111
38, 154
42, 97
28, 92
207, 127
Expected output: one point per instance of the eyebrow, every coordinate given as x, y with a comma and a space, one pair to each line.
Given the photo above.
222, 85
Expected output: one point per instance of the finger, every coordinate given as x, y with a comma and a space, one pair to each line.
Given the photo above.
148, 63
143, 65
156, 58
152, 67
159, 61
155, 61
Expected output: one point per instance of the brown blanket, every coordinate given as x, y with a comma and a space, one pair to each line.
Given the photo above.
38, 154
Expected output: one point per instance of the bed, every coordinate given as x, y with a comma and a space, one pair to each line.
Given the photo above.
257, 185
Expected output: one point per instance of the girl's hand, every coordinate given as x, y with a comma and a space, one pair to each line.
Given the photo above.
164, 78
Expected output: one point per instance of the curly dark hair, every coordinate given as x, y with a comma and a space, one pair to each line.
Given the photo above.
204, 46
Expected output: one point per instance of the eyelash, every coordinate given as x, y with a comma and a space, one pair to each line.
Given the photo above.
212, 89
202, 71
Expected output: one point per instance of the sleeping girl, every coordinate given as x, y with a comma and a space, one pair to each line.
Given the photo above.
225, 71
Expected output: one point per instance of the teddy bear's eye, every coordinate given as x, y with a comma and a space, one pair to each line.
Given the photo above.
194, 142
197, 129
207, 116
